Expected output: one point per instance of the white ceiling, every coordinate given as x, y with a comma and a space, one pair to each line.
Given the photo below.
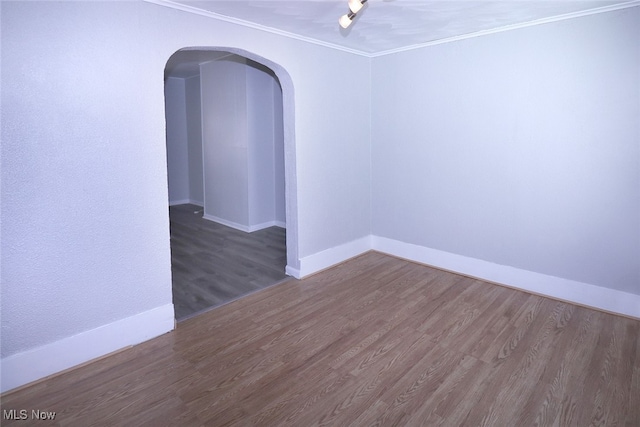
385, 26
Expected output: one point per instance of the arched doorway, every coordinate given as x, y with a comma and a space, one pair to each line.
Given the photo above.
222, 63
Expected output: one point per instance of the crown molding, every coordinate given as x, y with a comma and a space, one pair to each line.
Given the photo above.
548, 20
172, 5
178, 6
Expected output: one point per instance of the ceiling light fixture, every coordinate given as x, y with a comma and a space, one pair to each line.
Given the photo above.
356, 5
354, 8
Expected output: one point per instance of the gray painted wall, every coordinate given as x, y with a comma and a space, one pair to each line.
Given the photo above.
520, 148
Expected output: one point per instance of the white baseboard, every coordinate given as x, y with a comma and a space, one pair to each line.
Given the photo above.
606, 299
23, 368
185, 202
228, 223
267, 224
329, 257
242, 227
31, 365
293, 272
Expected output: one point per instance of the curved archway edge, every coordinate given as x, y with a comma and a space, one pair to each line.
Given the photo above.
288, 117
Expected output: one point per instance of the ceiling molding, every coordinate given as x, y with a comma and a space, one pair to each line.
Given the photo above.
557, 18
193, 10
196, 11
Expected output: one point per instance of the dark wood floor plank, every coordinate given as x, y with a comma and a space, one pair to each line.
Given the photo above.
373, 341
615, 374
497, 322
404, 398
544, 403
213, 264
526, 369
633, 411
449, 394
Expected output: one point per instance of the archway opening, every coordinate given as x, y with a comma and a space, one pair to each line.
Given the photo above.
231, 171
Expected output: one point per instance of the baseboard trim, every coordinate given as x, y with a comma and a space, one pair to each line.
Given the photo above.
242, 227
604, 299
293, 272
185, 202
264, 225
227, 223
330, 257
35, 364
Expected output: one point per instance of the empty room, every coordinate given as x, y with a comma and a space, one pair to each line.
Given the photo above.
459, 183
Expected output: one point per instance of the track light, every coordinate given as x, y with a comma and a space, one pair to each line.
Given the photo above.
346, 20
356, 5
354, 8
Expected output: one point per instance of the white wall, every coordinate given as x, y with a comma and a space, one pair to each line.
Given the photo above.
177, 141
261, 153
519, 149
85, 229
278, 155
225, 140
239, 132
184, 140
194, 136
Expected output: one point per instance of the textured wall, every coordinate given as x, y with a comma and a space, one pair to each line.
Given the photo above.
85, 231
85, 237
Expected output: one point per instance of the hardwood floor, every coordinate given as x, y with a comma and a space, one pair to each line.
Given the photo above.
373, 341
212, 264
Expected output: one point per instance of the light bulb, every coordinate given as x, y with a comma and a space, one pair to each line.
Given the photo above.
355, 5
346, 20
